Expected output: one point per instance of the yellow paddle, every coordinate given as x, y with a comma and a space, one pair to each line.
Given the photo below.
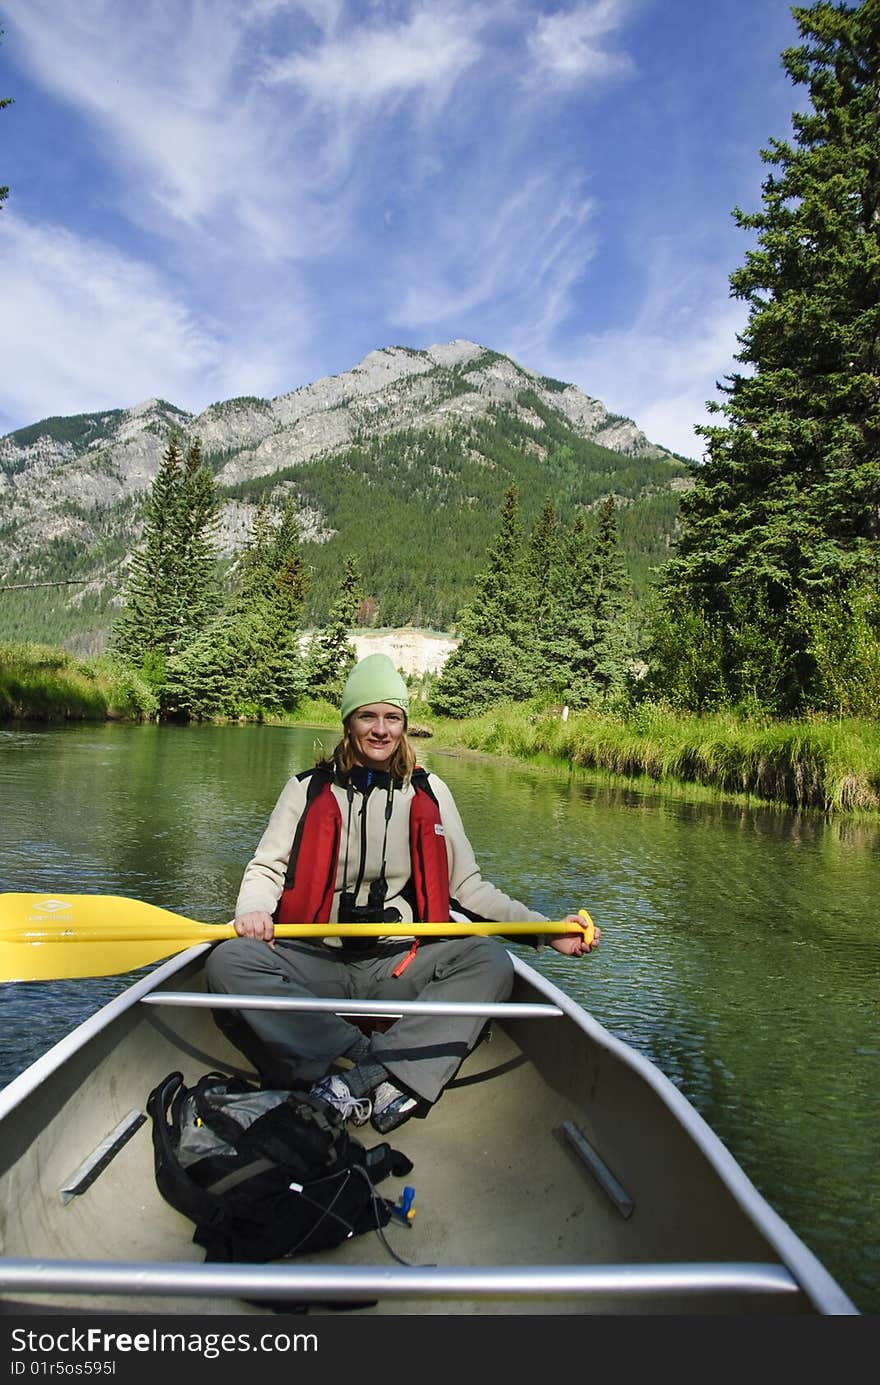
49, 937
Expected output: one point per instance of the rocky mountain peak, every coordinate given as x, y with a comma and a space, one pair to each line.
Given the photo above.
80, 481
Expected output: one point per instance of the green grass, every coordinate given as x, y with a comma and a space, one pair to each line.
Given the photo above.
822, 763
45, 684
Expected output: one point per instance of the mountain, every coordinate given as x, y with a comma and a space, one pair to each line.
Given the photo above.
402, 461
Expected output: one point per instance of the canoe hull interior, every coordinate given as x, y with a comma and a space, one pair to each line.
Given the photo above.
498, 1180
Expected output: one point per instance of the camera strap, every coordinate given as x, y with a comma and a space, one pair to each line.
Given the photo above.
350, 796
389, 808
389, 805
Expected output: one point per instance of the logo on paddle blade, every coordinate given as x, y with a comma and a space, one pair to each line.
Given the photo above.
52, 906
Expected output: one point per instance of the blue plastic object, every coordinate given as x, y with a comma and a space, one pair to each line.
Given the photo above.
405, 1209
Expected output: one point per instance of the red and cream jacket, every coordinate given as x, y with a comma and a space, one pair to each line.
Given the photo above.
333, 837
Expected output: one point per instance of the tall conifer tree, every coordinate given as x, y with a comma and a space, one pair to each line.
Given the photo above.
785, 511
282, 662
611, 607
496, 658
331, 654
146, 629
171, 589
577, 632
547, 572
248, 661
199, 513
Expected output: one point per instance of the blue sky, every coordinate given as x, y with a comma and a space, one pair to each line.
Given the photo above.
212, 198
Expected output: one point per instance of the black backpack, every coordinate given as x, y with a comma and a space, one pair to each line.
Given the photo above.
264, 1174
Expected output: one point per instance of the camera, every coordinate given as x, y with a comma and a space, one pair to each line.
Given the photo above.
373, 911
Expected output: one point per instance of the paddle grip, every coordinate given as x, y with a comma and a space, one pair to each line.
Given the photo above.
589, 926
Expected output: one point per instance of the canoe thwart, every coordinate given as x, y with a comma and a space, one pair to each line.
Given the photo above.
598, 1168
391, 1009
321, 1283
101, 1155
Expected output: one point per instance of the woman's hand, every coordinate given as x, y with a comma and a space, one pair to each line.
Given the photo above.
575, 944
256, 925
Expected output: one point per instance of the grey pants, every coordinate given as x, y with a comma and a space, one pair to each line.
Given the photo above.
422, 1051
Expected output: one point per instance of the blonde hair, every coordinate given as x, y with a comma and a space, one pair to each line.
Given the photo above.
344, 757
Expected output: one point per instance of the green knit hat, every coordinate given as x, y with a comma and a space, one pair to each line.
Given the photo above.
374, 679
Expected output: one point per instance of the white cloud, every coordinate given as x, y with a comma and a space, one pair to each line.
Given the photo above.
426, 52
572, 46
663, 368
93, 328
185, 125
214, 143
506, 258
296, 174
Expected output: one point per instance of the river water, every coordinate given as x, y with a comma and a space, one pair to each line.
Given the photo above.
739, 943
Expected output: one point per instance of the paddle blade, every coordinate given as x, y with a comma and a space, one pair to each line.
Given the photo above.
50, 937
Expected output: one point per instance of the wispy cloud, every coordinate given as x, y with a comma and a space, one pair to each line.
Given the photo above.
93, 329
575, 45
425, 51
97, 329
248, 159
511, 257
663, 366
184, 123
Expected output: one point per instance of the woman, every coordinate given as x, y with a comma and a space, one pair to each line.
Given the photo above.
366, 835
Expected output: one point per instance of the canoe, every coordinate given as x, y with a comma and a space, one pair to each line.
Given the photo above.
560, 1173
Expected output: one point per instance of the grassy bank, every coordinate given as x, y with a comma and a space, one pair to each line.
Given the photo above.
816, 763
831, 765
44, 684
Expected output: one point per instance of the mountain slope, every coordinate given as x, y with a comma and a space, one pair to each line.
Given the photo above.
402, 461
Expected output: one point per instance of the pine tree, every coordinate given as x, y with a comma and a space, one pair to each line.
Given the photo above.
542, 558
283, 667
785, 512
548, 577
611, 608
577, 631
247, 663
146, 629
495, 660
592, 631
171, 589
331, 654
199, 513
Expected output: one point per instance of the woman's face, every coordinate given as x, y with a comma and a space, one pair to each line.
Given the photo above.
375, 732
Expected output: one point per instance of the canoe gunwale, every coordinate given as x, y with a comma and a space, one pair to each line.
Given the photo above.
28, 1081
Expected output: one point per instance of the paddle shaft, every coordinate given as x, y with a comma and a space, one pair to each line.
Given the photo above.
49, 937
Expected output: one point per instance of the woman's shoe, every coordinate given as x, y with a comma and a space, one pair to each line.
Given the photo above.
391, 1107
336, 1093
